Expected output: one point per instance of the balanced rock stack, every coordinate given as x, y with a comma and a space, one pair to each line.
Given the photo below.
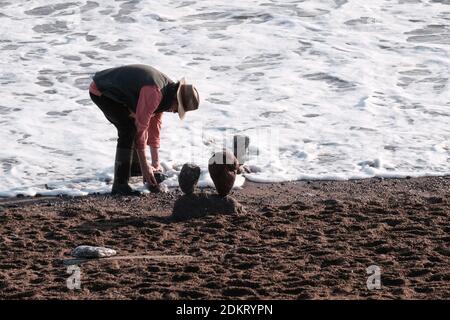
188, 177
223, 167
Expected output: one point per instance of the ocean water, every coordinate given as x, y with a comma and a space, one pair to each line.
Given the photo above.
325, 89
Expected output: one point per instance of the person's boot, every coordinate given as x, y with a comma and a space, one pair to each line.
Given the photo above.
122, 168
135, 165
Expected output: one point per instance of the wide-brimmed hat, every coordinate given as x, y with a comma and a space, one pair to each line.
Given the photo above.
188, 98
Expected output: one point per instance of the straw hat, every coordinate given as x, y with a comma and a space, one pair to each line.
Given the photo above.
188, 98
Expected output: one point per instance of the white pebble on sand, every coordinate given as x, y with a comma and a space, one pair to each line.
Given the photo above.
92, 252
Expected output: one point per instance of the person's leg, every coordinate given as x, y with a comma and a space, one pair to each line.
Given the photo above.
124, 155
135, 165
119, 116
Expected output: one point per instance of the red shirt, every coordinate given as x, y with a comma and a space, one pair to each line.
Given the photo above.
148, 123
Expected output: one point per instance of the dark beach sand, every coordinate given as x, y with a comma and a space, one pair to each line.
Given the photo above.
296, 241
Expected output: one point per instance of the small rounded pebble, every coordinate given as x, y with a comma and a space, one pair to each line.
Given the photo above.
188, 177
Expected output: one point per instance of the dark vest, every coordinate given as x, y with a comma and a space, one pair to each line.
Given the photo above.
123, 84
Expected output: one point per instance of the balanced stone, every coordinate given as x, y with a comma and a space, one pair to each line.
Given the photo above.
223, 167
188, 177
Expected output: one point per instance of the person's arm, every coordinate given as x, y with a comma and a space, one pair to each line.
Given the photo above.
147, 171
153, 141
149, 99
155, 158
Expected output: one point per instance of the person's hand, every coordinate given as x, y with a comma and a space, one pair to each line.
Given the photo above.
156, 167
148, 177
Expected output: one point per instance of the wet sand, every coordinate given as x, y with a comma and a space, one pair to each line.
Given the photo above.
300, 240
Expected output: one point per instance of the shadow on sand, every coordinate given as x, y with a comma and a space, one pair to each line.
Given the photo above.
202, 204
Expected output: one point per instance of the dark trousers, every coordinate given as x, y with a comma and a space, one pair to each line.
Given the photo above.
119, 115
